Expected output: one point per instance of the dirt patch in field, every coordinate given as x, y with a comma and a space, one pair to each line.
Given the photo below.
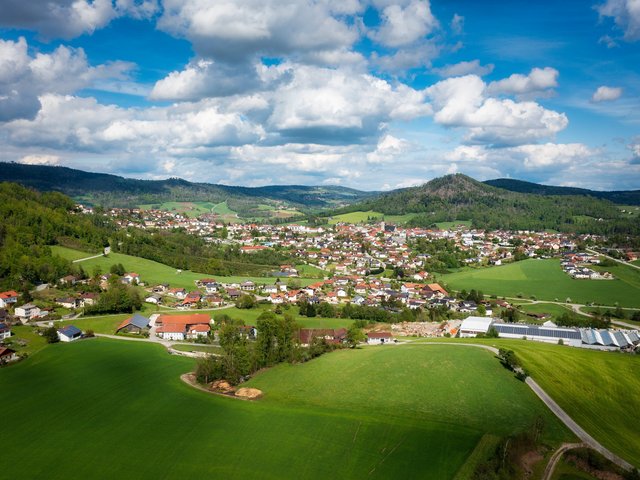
249, 393
528, 462
222, 388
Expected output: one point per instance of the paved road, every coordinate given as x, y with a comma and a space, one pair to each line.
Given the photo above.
574, 427
87, 258
555, 408
594, 252
551, 466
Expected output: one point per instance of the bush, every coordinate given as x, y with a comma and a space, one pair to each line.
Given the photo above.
51, 335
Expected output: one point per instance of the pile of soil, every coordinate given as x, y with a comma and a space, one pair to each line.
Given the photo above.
249, 393
222, 386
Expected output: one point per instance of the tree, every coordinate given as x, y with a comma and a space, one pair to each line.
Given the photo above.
492, 333
246, 301
208, 369
117, 269
354, 336
482, 310
51, 335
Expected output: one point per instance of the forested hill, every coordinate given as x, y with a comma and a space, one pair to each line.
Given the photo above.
458, 197
114, 191
622, 197
29, 223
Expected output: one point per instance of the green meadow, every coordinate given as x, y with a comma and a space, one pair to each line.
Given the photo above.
545, 280
363, 217
551, 309
154, 273
599, 390
114, 409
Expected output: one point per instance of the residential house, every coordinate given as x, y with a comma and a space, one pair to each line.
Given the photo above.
379, 338
154, 298
5, 331
179, 293
69, 333
8, 298
7, 355
247, 286
27, 311
131, 278
88, 299
198, 330
67, 302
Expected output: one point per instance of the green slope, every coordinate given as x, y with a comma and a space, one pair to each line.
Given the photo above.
546, 281
118, 410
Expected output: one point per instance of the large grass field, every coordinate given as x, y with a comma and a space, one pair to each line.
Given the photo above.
363, 217
119, 410
546, 281
153, 272
551, 309
599, 390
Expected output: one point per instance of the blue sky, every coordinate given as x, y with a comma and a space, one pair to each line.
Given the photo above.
371, 94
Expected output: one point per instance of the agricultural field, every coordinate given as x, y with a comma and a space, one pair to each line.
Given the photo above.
190, 209
104, 399
310, 271
599, 390
551, 309
363, 217
153, 272
545, 280
250, 316
450, 225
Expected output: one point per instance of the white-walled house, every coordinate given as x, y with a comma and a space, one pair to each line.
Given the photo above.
379, 338
8, 298
69, 333
5, 331
27, 312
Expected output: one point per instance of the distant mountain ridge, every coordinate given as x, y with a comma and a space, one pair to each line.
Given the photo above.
115, 191
459, 197
621, 197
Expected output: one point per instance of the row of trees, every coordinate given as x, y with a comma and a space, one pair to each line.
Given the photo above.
276, 342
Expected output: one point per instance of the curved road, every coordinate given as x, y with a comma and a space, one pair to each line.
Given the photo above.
555, 458
558, 412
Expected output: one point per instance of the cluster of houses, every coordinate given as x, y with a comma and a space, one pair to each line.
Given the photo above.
549, 332
576, 265
357, 249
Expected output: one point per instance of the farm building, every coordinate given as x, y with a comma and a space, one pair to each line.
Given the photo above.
379, 338
135, 324
549, 334
179, 327
69, 333
472, 326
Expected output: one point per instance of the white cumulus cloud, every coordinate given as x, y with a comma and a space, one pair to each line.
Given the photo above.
464, 68
606, 94
404, 24
625, 14
538, 80
465, 102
